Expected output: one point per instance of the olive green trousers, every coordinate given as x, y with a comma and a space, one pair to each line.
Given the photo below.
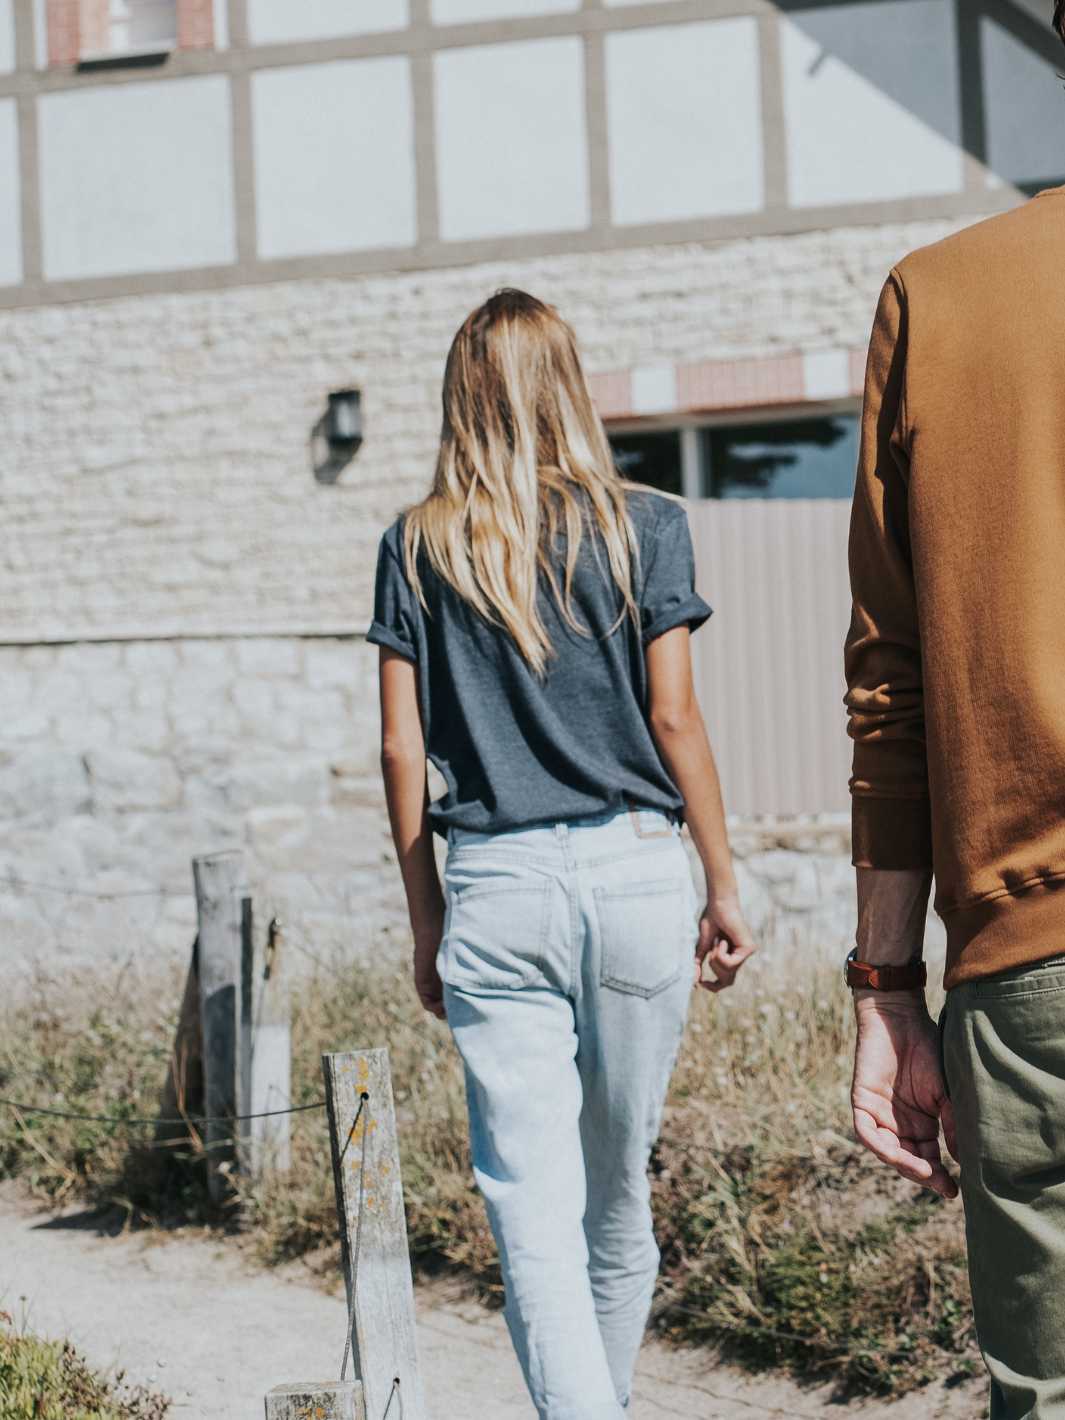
1003, 1044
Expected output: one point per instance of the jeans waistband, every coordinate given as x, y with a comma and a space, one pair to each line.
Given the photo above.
634, 821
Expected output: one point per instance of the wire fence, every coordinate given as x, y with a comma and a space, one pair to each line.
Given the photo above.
196, 1121
13, 882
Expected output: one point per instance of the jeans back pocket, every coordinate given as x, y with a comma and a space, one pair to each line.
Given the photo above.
495, 935
645, 934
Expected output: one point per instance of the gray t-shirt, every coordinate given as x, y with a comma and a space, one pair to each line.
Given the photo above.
516, 750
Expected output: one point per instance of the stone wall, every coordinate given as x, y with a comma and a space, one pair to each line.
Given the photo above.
156, 472
122, 761
181, 657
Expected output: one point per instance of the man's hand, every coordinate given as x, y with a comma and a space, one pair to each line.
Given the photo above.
725, 943
899, 1096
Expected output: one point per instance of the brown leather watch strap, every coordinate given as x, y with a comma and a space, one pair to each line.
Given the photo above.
866, 977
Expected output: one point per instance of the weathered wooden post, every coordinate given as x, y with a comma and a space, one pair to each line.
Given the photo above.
270, 1063
316, 1400
373, 1232
221, 888
373, 1238
183, 1088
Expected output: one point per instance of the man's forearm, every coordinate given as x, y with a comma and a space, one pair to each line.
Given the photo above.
892, 907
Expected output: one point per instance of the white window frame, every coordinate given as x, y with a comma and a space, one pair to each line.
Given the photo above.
689, 426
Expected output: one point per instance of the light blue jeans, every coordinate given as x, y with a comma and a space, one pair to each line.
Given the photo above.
568, 963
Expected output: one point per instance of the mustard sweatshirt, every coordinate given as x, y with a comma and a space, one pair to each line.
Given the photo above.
955, 659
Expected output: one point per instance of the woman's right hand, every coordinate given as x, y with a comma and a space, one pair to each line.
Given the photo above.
725, 943
427, 981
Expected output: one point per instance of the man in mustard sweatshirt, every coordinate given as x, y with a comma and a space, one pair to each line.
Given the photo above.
955, 667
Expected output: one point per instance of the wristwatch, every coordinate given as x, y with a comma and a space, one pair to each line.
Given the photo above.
862, 975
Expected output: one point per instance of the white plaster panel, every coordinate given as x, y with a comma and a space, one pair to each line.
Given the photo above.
654, 389
684, 121
7, 36
10, 222
511, 141
450, 12
40, 34
136, 177
1024, 109
334, 157
826, 374
871, 100
281, 21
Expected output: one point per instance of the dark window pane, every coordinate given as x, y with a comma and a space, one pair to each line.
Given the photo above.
652, 458
801, 458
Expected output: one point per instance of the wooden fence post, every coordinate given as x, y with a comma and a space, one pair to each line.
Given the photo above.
183, 1088
221, 888
316, 1400
383, 1336
270, 1064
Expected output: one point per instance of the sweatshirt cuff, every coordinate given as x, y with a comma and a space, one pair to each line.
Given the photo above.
890, 833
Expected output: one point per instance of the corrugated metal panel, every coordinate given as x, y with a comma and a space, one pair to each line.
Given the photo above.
769, 664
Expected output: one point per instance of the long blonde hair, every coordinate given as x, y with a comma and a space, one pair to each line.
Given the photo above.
522, 454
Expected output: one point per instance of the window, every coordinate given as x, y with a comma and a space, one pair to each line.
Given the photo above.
652, 458
109, 33
135, 25
802, 457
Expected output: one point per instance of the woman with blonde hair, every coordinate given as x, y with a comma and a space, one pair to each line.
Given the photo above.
533, 614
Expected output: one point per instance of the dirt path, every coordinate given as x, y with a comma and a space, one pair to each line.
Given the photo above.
191, 1317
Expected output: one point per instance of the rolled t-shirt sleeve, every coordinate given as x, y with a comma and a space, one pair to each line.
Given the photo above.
394, 612
668, 596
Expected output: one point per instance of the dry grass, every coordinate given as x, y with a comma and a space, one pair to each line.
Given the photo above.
48, 1380
782, 1242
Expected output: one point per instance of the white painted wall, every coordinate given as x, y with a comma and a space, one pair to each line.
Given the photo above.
279, 21
220, 20
136, 177
7, 36
40, 34
684, 121
334, 157
511, 139
1024, 109
10, 226
871, 102
449, 12
775, 572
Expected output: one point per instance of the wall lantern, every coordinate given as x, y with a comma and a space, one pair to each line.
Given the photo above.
343, 422
336, 438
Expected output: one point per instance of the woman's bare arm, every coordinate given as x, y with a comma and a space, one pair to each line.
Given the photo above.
403, 766
678, 730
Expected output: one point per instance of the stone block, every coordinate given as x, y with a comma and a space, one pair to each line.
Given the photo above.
44, 783
270, 832
801, 891
30, 723
330, 664
158, 658
82, 730
122, 780
201, 655
106, 687
278, 779
269, 656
